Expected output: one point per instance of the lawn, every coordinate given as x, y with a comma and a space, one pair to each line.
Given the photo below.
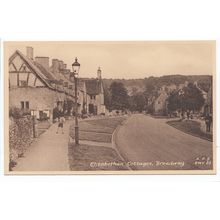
99, 130
190, 127
104, 158
90, 158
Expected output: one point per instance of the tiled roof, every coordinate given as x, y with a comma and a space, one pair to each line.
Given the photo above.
93, 86
46, 73
42, 73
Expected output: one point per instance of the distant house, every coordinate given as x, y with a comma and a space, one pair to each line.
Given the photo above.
185, 84
95, 95
160, 103
35, 87
157, 102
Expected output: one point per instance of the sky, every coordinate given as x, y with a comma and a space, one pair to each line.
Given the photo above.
134, 59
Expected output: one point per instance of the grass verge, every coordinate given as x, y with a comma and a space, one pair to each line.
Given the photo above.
93, 158
99, 130
89, 157
190, 127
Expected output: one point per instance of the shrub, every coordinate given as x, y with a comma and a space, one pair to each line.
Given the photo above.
17, 113
20, 138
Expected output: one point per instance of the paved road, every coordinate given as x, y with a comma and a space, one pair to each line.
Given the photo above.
153, 144
48, 153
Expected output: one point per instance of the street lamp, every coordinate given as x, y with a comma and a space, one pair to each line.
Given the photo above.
74, 76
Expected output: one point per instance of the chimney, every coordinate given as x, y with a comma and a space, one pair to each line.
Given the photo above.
61, 64
55, 68
43, 61
64, 66
30, 52
55, 65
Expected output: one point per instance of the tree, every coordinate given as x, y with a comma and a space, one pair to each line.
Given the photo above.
174, 101
107, 98
191, 99
119, 96
137, 102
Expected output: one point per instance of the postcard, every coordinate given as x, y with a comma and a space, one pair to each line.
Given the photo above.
110, 107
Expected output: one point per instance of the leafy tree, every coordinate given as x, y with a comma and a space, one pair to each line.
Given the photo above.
107, 98
119, 96
174, 101
137, 102
191, 99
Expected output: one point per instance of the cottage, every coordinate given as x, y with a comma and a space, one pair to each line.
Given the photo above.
95, 95
160, 103
34, 87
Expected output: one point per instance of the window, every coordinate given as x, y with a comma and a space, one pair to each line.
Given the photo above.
92, 96
23, 83
27, 105
24, 68
24, 105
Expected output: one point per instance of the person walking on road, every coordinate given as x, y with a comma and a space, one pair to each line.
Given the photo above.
61, 121
208, 122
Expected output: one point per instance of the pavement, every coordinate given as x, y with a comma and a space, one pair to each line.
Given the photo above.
151, 144
49, 152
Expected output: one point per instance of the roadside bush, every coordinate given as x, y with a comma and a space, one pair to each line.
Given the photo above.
20, 137
17, 113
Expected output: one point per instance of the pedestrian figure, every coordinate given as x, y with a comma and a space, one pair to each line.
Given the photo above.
188, 114
182, 115
61, 120
208, 122
60, 124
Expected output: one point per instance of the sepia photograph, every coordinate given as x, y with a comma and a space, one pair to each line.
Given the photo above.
110, 107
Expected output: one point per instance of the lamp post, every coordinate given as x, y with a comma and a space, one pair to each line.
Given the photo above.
74, 76
33, 121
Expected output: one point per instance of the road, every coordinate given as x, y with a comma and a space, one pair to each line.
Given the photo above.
147, 143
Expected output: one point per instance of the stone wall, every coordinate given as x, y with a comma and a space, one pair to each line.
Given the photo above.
39, 98
20, 137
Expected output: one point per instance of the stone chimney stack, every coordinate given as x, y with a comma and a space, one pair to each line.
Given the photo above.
61, 65
30, 52
43, 61
55, 67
